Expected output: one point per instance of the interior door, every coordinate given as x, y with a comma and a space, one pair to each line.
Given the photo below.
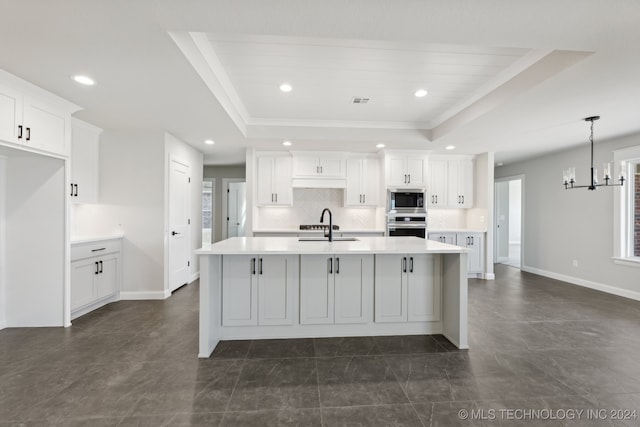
502, 221
179, 257
237, 208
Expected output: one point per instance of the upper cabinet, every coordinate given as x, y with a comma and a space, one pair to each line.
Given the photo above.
450, 182
408, 170
319, 169
85, 140
363, 182
274, 179
33, 119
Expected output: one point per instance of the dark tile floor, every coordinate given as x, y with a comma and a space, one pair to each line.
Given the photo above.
536, 344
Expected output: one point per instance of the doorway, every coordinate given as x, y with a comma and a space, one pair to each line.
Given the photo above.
236, 209
508, 247
179, 220
208, 215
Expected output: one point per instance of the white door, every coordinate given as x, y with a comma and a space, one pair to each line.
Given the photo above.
423, 288
316, 289
10, 114
239, 290
415, 171
502, 221
353, 193
237, 208
353, 287
391, 288
179, 257
277, 281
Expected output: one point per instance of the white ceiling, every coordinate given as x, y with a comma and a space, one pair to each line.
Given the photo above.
511, 77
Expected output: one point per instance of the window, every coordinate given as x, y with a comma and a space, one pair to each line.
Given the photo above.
627, 208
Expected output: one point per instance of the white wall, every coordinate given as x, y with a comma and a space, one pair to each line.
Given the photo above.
177, 149
34, 239
481, 215
565, 225
515, 211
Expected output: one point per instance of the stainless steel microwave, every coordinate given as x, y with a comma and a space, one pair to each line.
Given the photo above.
405, 200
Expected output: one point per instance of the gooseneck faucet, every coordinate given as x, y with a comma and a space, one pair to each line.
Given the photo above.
330, 235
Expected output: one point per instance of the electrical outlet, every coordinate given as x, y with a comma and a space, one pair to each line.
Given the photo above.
575, 263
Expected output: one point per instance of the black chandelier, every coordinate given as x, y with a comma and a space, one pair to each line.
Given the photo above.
570, 174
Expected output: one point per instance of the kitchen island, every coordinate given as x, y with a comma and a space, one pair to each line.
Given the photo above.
280, 287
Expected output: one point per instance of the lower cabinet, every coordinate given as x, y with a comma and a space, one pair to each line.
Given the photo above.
407, 288
258, 289
470, 240
95, 275
335, 288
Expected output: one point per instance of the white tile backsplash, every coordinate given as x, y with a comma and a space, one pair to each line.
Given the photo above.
308, 204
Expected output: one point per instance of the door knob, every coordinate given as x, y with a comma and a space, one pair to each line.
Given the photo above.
173, 233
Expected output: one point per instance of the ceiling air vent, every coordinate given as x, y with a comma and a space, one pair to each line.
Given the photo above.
359, 100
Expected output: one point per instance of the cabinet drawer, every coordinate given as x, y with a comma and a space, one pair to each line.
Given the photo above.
93, 249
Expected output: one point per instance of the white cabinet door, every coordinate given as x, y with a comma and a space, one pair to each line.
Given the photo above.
423, 288
449, 238
83, 279
306, 165
274, 181
331, 167
316, 289
10, 114
397, 174
46, 128
353, 192
108, 283
84, 162
370, 182
460, 181
353, 287
416, 169
239, 290
390, 289
437, 185
277, 281
282, 181
475, 259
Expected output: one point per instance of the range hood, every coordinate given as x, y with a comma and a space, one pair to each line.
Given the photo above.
319, 183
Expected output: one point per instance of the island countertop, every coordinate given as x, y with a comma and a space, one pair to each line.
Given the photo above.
291, 245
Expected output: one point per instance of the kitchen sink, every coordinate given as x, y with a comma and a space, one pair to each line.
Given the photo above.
325, 239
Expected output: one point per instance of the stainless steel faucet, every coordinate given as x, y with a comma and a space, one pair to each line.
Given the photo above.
330, 235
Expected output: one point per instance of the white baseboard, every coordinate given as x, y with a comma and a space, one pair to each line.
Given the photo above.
194, 277
3, 325
145, 295
585, 283
489, 276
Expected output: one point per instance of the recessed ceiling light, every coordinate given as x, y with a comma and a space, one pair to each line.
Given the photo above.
420, 93
209, 142
285, 87
84, 80
450, 147
381, 145
287, 143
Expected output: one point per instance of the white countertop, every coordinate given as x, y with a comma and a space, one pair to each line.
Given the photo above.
456, 230
291, 245
87, 239
297, 231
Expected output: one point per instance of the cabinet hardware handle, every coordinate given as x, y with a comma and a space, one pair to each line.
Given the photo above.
409, 179
71, 190
321, 169
364, 198
20, 132
260, 265
28, 134
271, 197
253, 266
76, 190
98, 250
411, 264
360, 198
276, 197
100, 266
462, 199
330, 265
472, 241
404, 264
97, 271
436, 200
337, 265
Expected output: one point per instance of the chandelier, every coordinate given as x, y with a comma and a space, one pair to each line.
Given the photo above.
570, 174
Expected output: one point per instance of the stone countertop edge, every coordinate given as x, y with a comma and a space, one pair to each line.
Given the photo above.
364, 245
88, 239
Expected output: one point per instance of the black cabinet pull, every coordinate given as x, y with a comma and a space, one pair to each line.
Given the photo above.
71, 190
405, 179
436, 199
20, 132
28, 134
75, 194
330, 261
253, 266
337, 265
364, 198
260, 265
411, 265
276, 197
462, 199
100, 266
404, 264
472, 241
98, 250
97, 270
409, 179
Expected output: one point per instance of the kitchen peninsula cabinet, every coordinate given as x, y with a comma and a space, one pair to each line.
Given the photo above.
337, 283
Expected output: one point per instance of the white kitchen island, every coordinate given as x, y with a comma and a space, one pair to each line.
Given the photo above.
280, 287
